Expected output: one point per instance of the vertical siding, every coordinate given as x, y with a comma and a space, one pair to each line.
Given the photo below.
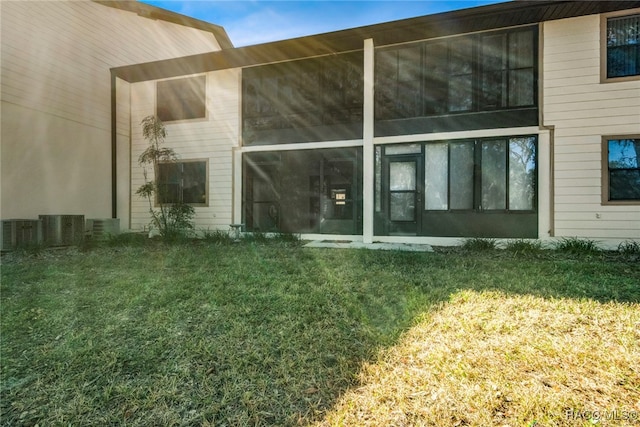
582, 110
211, 139
56, 98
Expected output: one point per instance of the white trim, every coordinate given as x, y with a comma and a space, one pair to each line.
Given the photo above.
330, 237
399, 139
302, 146
545, 194
236, 185
368, 155
467, 134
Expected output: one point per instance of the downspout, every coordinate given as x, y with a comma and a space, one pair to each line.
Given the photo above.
114, 141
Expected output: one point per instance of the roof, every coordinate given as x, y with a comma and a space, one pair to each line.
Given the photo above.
152, 12
463, 21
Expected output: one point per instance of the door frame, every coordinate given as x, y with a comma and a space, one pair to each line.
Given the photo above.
403, 228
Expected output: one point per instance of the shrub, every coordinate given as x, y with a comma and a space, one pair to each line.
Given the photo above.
174, 221
629, 247
574, 245
524, 247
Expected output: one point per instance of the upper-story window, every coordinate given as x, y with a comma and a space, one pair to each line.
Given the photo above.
623, 46
181, 99
292, 101
483, 72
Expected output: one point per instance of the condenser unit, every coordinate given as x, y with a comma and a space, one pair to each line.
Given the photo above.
62, 230
18, 233
100, 229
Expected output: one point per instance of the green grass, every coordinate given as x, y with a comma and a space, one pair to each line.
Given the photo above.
573, 245
261, 334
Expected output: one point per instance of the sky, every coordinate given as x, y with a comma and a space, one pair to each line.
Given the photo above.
249, 22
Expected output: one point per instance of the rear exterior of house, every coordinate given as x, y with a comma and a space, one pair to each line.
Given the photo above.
57, 95
517, 120
506, 121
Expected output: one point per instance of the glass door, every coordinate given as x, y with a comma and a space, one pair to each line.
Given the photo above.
403, 194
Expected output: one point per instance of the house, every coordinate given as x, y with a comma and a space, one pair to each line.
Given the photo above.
515, 120
56, 139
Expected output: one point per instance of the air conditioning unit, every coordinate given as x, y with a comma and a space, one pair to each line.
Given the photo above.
62, 230
20, 233
100, 229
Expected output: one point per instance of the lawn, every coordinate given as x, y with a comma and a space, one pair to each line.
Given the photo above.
264, 334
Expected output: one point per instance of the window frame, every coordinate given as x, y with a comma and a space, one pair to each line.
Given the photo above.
180, 162
605, 171
604, 18
290, 102
476, 145
159, 100
476, 73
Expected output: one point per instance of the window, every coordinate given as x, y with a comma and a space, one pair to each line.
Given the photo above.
288, 98
507, 70
487, 175
182, 182
484, 72
181, 99
623, 46
622, 182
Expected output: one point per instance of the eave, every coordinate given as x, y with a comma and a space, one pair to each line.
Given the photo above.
463, 21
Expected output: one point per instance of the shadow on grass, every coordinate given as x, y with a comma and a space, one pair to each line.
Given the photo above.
237, 334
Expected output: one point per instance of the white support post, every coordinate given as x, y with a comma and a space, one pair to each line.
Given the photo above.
545, 184
368, 161
236, 213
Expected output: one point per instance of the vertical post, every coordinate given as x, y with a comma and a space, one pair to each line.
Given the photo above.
545, 184
114, 150
368, 161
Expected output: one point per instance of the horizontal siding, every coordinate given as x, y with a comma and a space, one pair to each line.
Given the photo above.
56, 56
582, 110
605, 233
56, 92
588, 216
211, 139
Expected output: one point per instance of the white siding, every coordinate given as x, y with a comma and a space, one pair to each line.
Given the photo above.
212, 139
582, 110
56, 98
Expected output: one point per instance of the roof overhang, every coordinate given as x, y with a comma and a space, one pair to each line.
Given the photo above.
501, 15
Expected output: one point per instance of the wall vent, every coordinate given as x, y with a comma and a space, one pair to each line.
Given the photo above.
18, 233
62, 230
101, 229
